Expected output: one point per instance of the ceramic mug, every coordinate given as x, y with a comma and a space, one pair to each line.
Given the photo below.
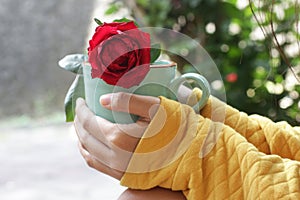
161, 80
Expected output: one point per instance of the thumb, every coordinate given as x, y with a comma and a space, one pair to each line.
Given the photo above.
143, 106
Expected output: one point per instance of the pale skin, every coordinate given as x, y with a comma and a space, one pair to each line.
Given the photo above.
108, 147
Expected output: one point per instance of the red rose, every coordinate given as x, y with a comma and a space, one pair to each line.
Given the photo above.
119, 54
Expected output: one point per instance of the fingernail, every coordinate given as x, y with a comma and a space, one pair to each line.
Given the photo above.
79, 101
105, 99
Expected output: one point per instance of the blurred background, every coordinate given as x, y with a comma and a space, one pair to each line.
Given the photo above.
243, 41
34, 36
38, 149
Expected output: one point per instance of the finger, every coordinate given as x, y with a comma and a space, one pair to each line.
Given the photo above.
114, 157
103, 140
87, 122
126, 136
84, 126
94, 163
143, 106
83, 113
123, 136
183, 94
116, 154
135, 130
94, 146
87, 139
79, 102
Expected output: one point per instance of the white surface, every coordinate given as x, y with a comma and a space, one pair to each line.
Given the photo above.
45, 163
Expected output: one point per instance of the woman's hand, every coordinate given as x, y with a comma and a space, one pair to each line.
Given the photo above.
107, 146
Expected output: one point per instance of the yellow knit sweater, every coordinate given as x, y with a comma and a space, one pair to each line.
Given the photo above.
242, 157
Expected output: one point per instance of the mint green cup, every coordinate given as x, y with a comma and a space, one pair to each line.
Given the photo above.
161, 80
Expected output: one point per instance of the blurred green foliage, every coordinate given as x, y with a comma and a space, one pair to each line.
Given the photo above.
256, 77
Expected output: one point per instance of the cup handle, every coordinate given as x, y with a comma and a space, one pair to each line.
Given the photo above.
202, 83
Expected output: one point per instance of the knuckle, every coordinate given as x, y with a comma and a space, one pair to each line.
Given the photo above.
120, 100
77, 108
118, 141
85, 118
86, 123
116, 138
84, 139
89, 161
113, 137
80, 110
121, 95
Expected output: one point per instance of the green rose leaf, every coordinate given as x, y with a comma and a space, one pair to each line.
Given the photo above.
98, 22
73, 63
75, 91
155, 52
124, 19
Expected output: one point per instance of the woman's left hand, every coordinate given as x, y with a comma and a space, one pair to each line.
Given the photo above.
108, 147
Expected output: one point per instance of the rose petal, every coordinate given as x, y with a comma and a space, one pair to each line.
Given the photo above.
133, 77
100, 35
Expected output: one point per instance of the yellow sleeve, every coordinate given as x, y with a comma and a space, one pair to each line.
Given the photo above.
207, 160
162, 148
268, 137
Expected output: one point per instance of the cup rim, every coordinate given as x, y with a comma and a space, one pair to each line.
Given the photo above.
164, 64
